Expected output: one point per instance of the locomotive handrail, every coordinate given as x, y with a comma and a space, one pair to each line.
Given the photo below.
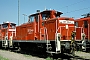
88, 31
46, 37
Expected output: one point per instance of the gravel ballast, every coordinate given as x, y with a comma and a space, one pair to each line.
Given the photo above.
18, 56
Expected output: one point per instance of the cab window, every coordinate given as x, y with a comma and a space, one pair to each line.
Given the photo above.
5, 25
45, 16
76, 24
31, 18
12, 25
85, 23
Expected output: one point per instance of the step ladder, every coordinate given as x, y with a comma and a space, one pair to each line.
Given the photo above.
11, 42
49, 48
57, 43
48, 44
4, 43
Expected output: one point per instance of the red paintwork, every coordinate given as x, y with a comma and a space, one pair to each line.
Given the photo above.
7, 30
85, 30
37, 31
44, 26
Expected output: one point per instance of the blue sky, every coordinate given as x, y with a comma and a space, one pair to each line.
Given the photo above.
70, 8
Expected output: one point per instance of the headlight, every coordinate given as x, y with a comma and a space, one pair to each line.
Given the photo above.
67, 45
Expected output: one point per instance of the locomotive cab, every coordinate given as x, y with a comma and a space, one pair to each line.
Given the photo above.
7, 30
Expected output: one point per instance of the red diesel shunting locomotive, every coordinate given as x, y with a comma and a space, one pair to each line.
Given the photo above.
83, 31
45, 31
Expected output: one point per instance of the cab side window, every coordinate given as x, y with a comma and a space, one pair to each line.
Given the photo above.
85, 23
76, 24
12, 25
45, 16
31, 18
5, 25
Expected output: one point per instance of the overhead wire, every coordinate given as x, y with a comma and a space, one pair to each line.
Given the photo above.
73, 4
78, 10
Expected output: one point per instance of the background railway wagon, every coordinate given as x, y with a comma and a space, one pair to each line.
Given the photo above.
83, 30
7, 33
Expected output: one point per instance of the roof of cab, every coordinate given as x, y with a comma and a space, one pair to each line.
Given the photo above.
46, 12
82, 19
8, 22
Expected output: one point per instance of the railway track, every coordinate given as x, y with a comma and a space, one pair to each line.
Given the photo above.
78, 55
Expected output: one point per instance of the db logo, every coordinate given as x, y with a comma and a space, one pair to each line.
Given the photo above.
30, 31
